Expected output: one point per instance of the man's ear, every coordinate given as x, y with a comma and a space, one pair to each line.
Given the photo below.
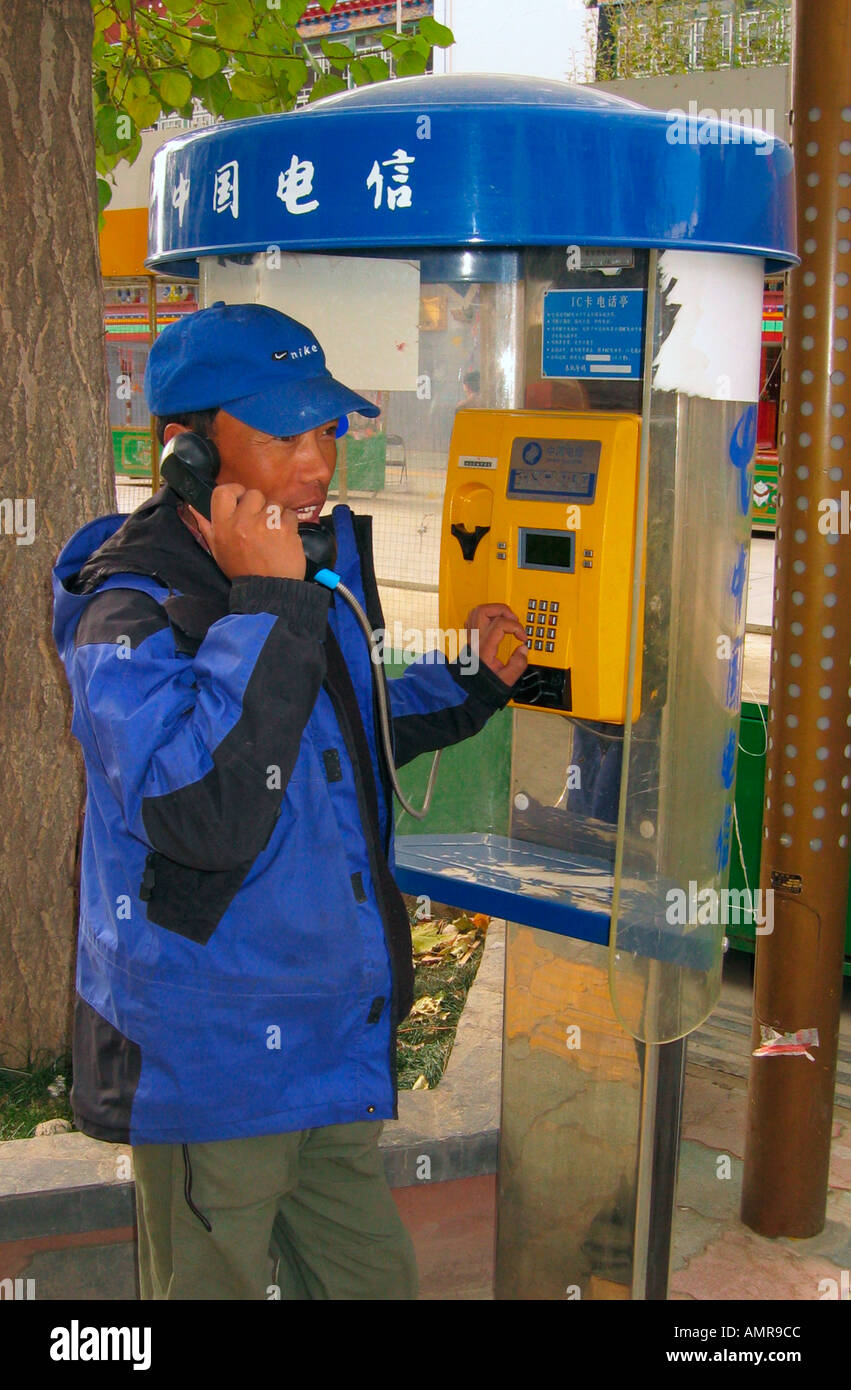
171, 429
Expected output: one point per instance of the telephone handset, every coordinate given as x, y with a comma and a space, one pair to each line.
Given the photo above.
190, 465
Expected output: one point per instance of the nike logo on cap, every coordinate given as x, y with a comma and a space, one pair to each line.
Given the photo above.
279, 356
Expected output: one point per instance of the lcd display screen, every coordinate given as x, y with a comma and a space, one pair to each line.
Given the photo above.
547, 550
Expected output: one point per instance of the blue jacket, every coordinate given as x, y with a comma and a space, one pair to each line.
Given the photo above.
244, 954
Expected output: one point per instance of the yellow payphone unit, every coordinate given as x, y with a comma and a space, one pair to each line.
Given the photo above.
539, 513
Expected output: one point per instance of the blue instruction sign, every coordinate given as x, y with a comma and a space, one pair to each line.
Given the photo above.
593, 334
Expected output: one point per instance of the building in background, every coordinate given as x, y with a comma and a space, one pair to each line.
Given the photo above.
358, 24
643, 38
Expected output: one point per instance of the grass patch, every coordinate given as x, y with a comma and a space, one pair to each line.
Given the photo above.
448, 950
32, 1094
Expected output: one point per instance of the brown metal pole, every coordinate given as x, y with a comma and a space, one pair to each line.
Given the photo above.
805, 853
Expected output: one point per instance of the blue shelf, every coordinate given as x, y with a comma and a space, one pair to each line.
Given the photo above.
568, 894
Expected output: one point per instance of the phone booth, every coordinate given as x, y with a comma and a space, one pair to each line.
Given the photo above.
536, 282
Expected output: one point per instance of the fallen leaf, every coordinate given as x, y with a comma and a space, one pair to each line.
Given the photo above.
420, 1084
427, 1007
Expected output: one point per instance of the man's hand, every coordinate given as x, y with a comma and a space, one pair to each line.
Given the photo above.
246, 537
492, 621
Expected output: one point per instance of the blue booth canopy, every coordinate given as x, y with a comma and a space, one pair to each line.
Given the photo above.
470, 160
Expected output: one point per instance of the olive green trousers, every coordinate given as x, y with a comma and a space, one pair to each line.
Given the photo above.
307, 1215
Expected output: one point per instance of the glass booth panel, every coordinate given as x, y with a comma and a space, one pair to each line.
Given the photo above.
524, 454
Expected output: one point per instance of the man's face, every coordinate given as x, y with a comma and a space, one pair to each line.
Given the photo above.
292, 472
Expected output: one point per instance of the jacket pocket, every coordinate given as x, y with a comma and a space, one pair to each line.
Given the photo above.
190, 902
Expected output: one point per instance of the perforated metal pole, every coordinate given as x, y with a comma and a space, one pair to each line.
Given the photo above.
805, 851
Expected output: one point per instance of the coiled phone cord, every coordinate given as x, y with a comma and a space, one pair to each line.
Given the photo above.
332, 581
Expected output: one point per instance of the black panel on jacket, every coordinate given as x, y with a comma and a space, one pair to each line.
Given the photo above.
153, 541
190, 902
107, 1067
125, 616
422, 733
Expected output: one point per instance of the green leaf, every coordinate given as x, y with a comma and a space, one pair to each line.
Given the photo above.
292, 11
144, 111
411, 65
335, 50
256, 62
180, 7
292, 76
246, 87
238, 110
234, 20
436, 34
175, 88
420, 45
106, 118
358, 73
326, 86
138, 86
378, 70
213, 92
203, 60
104, 193
131, 151
122, 8
389, 39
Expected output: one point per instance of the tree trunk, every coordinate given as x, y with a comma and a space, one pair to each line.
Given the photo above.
55, 474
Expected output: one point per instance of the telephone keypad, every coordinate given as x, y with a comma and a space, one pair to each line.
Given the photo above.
541, 622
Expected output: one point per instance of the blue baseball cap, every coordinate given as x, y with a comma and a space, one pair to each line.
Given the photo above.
256, 363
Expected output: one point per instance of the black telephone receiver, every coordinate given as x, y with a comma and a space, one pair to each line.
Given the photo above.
190, 464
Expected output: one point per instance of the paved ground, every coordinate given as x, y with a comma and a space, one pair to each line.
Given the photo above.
714, 1255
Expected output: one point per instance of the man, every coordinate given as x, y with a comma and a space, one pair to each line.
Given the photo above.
244, 955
